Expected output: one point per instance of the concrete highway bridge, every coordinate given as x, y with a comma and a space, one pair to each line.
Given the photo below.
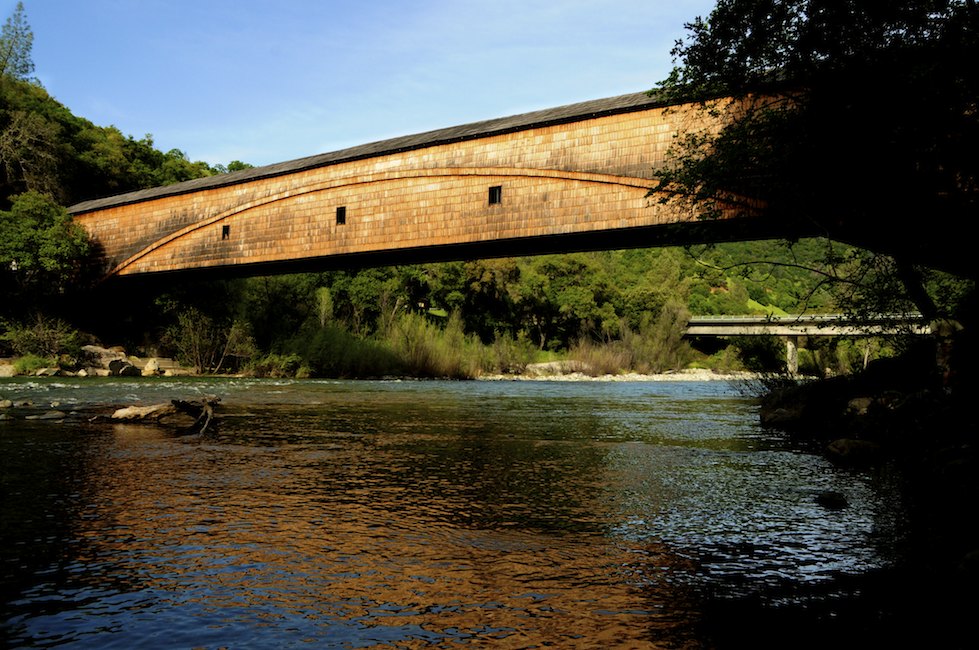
566, 179
792, 328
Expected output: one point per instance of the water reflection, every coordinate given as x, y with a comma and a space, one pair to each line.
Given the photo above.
352, 515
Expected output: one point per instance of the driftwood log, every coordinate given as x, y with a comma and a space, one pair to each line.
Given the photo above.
201, 410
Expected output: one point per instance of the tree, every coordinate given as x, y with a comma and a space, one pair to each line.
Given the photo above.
177, 167
233, 166
45, 148
16, 41
562, 297
30, 152
483, 293
853, 120
41, 250
41, 336
205, 344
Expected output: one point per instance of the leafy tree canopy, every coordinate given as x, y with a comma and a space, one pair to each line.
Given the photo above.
853, 120
41, 250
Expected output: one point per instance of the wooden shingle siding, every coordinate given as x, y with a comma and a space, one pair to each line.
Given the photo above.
579, 169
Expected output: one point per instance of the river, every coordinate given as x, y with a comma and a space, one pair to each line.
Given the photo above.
400, 514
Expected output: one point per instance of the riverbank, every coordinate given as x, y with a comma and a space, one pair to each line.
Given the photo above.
94, 361
901, 413
114, 363
559, 371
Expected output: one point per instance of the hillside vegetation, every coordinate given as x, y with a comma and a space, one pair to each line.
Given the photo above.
612, 311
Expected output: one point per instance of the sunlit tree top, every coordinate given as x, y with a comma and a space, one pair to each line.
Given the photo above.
16, 41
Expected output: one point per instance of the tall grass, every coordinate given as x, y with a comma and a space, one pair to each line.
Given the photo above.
277, 365
31, 363
507, 355
410, 345
416, 345
427, 350
657, 347
332, 351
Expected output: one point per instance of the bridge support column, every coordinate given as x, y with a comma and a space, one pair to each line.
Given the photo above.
792, 354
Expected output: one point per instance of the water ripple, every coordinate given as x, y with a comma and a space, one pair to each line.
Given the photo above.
353, 515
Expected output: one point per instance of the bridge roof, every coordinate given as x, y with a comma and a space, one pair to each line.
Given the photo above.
559, 115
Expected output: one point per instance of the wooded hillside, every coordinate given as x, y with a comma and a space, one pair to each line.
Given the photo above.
485, 315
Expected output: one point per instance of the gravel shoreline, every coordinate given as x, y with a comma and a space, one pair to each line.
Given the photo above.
566, 371
679, 375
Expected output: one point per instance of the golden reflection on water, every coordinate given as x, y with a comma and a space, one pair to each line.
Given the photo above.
405, 515
346, 535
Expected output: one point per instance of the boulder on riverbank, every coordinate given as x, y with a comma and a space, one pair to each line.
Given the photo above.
122, 368
98, 361
870, 403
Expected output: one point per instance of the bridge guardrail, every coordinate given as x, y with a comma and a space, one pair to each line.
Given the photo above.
802, 324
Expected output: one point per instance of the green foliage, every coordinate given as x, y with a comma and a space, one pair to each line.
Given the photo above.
207, 345
324, 305
507, 355
31, 363
615, 311
427, 350
30, 150
853, 117
41, 251
332, 351
598, 360
658, 346
233, 166
275, 307
841, 356
764, 354
562, 296
16, 42
42, 337
276, 365
483, 292
366, 300
45, 148
724, 360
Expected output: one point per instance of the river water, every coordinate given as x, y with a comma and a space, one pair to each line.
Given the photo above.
389, 514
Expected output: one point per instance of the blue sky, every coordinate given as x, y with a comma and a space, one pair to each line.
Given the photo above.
269, 81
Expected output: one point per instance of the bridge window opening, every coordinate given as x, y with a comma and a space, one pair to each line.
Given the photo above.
496, 195
225, 232
341, 215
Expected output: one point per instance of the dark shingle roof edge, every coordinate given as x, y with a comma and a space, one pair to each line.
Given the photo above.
561, 114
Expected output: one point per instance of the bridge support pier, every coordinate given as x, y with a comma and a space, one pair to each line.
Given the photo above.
792, 354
